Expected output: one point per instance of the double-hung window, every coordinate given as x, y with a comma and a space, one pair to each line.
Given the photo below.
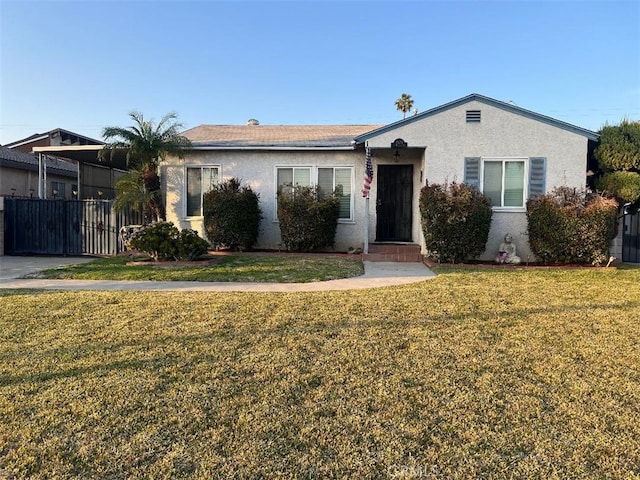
200, 180
503, 181
328, 179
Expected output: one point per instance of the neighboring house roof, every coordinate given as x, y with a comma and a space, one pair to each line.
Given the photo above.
66, 138
276, 136
10, 158
488, 101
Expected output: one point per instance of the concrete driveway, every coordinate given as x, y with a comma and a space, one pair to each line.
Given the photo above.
19, 266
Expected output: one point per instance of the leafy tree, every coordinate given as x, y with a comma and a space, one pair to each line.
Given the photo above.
618, 155
625, 186
404, 104
146, 145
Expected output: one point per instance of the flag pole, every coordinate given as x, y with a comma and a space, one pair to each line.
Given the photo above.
366, 225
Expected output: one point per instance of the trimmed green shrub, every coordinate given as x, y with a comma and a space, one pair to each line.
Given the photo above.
571, 226
163, 241
456, 219
625, 186
232, 215
308, 219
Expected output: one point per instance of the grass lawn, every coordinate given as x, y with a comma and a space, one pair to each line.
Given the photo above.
231, 268
476, 374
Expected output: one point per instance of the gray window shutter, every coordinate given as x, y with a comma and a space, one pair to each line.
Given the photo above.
537, 176
472, 171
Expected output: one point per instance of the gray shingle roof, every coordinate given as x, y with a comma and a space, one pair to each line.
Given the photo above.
25, 161
276, 136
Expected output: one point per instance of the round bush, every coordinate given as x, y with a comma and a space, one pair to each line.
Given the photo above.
456, 219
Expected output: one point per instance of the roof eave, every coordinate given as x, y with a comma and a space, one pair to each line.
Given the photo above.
213, 146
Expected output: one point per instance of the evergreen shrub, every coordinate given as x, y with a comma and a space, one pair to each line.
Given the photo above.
163, 241
308, 219
232, 215
456, 218
571, 226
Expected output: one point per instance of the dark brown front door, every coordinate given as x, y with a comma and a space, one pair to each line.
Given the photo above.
393, 206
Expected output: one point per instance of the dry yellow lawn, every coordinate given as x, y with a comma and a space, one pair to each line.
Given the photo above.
491, 374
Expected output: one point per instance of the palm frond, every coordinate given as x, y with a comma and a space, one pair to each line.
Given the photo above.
145, 142
131, 192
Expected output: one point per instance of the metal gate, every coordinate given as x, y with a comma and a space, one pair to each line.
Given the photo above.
631, 238
63, 227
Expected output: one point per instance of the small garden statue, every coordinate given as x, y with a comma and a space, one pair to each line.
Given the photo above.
507, 251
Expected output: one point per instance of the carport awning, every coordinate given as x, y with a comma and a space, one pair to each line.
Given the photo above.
86, 154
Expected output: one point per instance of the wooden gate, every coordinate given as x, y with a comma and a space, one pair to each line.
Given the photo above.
63, 227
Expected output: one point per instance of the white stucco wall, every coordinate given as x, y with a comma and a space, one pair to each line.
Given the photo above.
438, 145
258, 169
448, 139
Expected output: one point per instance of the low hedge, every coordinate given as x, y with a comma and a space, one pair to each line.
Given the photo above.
163, 241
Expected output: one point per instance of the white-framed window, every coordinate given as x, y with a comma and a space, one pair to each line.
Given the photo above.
503, 181
199, 180
287, 177
338, 179
328, 179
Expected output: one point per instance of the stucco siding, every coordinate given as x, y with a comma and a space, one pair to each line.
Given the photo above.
258, 170
438, 142
448, 139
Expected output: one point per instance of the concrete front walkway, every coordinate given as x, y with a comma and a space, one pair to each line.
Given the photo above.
377, 274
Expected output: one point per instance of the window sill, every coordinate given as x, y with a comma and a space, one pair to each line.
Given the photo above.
509, 209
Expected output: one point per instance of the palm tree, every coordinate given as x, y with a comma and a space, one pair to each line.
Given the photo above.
404, 104
132, 193
146, 145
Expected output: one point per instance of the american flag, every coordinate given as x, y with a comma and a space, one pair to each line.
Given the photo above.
368, 174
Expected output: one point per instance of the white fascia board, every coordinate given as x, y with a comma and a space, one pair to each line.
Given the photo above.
68, 148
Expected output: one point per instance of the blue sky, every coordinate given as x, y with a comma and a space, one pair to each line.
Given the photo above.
84, 65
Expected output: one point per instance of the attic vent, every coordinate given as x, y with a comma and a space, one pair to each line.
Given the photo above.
473, 116
253, 121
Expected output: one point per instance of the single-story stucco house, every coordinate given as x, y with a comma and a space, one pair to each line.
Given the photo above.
509, 152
